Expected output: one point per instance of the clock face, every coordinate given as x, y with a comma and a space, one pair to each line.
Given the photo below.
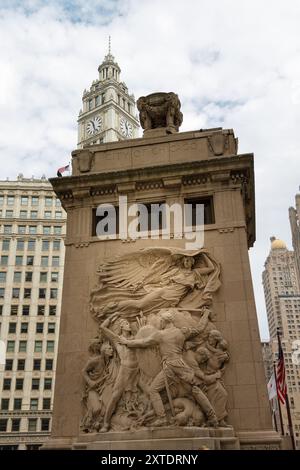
126, 128
94, 125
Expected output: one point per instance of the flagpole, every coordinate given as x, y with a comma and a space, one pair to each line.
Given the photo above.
278, 401
287, 401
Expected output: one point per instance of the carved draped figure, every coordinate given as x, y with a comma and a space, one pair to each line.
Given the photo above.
155, 278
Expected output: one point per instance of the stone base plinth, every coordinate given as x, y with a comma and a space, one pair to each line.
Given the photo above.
166, 438
153, 439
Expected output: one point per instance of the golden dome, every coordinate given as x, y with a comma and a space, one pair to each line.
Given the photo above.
278, 245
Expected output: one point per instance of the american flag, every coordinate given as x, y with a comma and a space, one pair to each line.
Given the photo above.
280, 375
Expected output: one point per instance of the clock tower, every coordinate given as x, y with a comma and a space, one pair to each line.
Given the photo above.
108, 111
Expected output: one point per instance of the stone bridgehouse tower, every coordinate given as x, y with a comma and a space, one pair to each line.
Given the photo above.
159, 345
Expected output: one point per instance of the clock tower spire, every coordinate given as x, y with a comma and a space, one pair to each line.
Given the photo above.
108, 110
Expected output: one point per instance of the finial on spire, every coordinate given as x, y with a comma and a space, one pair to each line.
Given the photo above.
109, 44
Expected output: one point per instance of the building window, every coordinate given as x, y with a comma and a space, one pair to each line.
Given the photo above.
24, 200
21, 229
5, 245
1, 200
34, 402
10, 346
9, 364
4, 260
3, 425
41, 310
12, 327
6, 384
43, 277
2, 277
35, 384
50, 346
53, 293
34, 200
45, 424
207, 202
56, 245
38, 346
58, 214
33, 214
49, 364
7, 229
17, 276
1, 309
4, 403
51, 327
55, 261
23, 214
42, 293
17, 403
44, 260
32, 424
24, 328
20, 245
57, 202
52, 310
14, 309
36, 364
47, 215
47, 384
10, 200
39, 328
9, 214
15, 424
25, 310
28, 276
48, 201
57, 230
46, 403
30, 260
45, 245
19, 260
32, 229
2, 292
54, 277
19, 384
31, 245
22, 346
15, 293
27, 293
46, 230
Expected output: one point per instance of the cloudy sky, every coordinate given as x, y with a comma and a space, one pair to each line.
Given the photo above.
234, 64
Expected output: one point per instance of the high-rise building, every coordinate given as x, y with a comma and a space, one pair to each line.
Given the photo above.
32, 231
282, 296
108, 110
294, 214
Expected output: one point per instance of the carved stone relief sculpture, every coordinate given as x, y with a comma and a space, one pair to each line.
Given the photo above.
158, 359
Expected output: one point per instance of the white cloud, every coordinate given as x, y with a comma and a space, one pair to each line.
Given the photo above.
234, 64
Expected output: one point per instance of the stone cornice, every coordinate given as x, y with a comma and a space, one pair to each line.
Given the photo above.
222, 173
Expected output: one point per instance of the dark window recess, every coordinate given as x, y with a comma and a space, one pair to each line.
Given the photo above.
209, 215
96, 219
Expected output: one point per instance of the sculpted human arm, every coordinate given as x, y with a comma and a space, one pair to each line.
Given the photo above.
113, 338
108, 333
202, 324
152, 340
209, 268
